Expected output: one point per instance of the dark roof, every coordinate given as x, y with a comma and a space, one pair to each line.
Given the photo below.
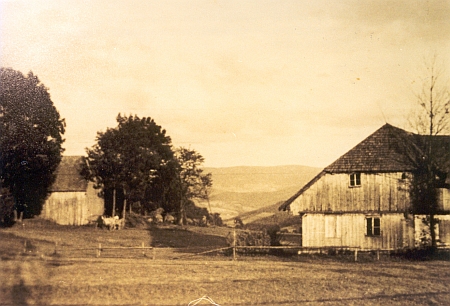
68, 176
389, 149
377, 153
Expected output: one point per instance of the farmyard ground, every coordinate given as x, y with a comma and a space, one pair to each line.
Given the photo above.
37, 277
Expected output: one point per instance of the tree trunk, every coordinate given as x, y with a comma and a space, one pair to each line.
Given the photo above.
433, 232
114, 203
181, 213
124, 211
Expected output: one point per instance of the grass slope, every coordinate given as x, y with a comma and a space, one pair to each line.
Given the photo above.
238, 190
30, 279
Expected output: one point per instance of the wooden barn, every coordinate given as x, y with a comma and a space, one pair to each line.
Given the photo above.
363, 198
73, 200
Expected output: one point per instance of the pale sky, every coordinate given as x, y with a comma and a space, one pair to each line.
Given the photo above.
257, 83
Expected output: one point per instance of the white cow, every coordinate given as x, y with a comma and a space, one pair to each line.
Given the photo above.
110, 222
156, 216
169, 218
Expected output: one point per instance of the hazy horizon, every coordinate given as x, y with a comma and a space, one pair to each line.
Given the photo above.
254, 83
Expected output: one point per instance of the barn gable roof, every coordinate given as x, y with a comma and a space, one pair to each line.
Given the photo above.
68, 178
382, 151
379, 152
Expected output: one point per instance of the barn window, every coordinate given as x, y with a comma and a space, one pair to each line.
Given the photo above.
373, 226
355, 179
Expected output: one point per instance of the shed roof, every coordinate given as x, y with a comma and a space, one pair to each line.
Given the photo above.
68, 177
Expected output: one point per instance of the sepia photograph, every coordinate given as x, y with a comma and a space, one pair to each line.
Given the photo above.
223, 152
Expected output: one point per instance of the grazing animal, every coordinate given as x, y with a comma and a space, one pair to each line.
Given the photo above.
158, 218
156, 215
120, 223
169, 218
110, 222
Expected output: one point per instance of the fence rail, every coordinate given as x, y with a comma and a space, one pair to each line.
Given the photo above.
168, 253
99, 249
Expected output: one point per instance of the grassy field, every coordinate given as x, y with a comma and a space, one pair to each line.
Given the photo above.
32, 275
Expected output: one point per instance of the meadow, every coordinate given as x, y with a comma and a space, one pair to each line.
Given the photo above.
33, 274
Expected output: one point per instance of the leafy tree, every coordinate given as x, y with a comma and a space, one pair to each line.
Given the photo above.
193, 183
31, 140
134, 157
431, 148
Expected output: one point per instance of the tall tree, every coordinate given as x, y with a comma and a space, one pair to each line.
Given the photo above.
31, 140
431, 121
130, 157
193, 183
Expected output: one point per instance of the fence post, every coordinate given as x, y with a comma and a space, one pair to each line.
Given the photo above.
378, 254
356, 254
234, 243
143, 244
99, 250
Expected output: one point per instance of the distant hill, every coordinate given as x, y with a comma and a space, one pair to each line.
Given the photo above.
240, 190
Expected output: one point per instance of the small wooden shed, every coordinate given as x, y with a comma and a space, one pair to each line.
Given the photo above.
73, 200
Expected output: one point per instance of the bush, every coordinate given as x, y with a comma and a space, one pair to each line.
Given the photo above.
274, 233
238, 222
424, 253
6, 208
198, 215
133, 220
215, 219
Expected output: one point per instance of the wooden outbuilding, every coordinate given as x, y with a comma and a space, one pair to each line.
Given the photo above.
363, 198
73, 200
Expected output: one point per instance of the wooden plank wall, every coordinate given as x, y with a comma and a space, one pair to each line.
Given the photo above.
96, 205
73, 208
65, 208
444, 199
444, 229
381, 192
351, 232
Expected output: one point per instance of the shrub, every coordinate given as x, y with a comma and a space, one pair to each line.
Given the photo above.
215, 219
274, 233
6, 208
238, 222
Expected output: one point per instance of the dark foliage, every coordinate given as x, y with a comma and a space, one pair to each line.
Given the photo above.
199, 215
30, 139
215, 219
275, 236
238, 223
6, 208
136, 158
424, 254
192, 182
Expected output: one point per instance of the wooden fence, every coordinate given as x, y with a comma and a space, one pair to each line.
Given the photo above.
84, 252
173, 253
